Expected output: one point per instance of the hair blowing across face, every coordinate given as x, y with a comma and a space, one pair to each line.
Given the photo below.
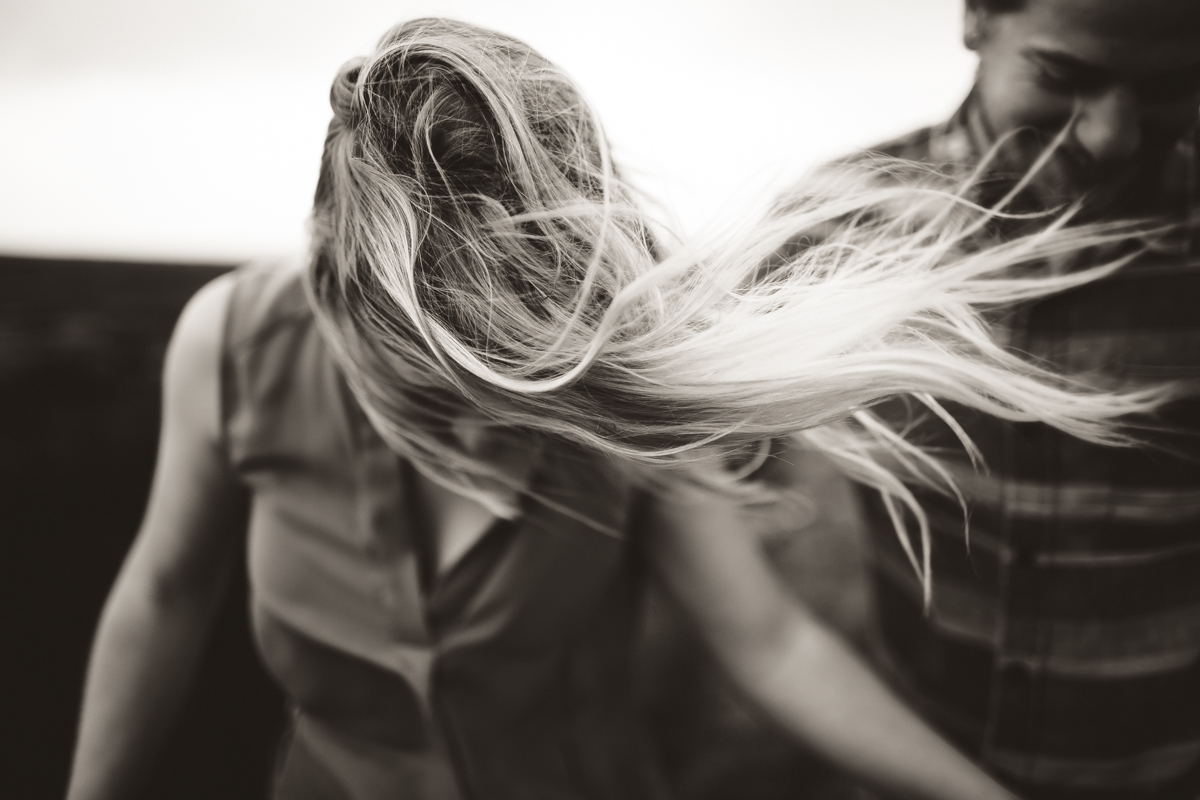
476, 255
469, 232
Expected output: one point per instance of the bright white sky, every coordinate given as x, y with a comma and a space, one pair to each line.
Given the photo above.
161, 129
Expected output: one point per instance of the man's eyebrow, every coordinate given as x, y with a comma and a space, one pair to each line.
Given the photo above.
1058, 58
1083, 69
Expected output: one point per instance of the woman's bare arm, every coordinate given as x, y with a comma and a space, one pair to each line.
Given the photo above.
795, 668
154, 624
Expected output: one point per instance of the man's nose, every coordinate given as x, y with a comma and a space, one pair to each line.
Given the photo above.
1108, 125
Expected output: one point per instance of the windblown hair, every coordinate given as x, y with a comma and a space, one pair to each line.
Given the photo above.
477, 254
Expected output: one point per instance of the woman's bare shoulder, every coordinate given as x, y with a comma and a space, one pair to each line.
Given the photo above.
192, 375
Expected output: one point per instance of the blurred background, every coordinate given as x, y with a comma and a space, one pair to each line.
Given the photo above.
191, 131
149, 145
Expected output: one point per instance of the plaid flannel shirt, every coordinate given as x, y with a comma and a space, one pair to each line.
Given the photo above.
1062, 649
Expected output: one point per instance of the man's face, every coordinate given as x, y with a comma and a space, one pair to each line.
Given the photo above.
1122, 76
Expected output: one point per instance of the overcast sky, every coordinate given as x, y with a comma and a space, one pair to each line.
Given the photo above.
192, 131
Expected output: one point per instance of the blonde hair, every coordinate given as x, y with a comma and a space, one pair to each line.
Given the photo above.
476, 253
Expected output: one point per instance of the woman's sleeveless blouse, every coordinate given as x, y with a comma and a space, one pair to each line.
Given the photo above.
506, 677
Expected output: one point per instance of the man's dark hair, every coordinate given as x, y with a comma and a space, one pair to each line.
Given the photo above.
996, 6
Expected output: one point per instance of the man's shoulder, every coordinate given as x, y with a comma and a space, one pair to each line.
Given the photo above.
916, 157
946, 145
915, 145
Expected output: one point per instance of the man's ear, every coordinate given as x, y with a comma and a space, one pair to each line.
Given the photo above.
975, 18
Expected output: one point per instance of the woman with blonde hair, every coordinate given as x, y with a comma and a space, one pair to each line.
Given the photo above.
457, 434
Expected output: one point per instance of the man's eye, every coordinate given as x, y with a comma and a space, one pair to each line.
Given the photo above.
1064, 83
1055, 83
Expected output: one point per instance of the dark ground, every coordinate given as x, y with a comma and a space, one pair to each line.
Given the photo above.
81, 348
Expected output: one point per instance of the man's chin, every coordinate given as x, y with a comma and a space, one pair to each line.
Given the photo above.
1098, 191
1070, 176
